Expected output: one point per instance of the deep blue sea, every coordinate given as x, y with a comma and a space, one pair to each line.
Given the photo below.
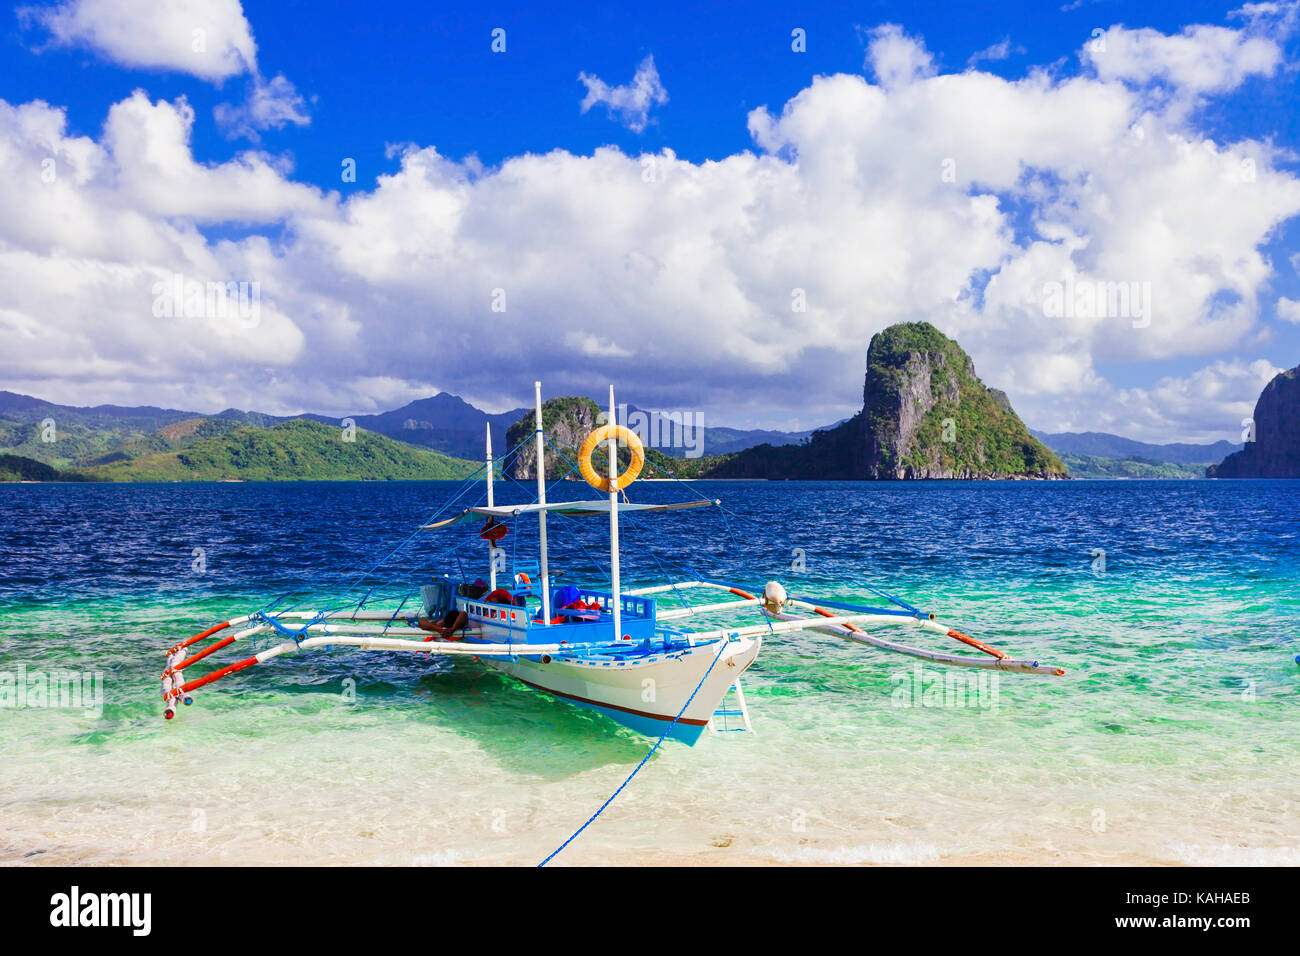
1174, 607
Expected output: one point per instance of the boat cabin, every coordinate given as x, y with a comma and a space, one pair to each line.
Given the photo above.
578, 615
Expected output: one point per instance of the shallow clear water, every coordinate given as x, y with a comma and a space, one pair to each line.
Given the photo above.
1170, 739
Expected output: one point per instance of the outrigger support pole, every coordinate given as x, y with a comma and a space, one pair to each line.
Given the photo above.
176, 688
541, 499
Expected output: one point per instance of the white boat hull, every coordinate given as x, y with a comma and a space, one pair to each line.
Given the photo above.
645, 694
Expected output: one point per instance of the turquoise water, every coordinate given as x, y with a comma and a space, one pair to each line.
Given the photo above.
1171, 738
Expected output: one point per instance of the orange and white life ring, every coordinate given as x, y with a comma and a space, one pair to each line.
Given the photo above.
603, 434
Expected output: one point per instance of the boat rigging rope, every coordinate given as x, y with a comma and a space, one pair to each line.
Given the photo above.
722, 644
466, 486
297, 635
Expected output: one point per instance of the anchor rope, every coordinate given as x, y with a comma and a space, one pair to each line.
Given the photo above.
722, 643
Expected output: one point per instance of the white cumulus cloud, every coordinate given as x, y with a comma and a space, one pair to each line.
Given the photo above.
749, 285
1200, 59
1219, 395
995, 52
632, 102
271, 104
210, 39
896, 58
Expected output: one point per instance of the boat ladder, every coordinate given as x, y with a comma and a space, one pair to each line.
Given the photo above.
724, 719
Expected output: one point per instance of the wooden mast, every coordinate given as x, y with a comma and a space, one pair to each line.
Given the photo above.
541, 499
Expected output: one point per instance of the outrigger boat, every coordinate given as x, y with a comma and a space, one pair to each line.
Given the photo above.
611, 649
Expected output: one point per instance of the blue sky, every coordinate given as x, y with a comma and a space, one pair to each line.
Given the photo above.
376, 79
406, 72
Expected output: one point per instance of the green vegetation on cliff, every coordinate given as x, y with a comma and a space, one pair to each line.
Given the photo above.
927, 414
298, 449
567, 421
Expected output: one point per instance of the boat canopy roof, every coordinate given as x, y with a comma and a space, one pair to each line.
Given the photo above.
592, 507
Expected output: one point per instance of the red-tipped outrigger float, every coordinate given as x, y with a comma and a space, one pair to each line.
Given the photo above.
611, 649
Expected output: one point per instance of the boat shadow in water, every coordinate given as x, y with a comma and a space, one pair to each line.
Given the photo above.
521, 729
525, 730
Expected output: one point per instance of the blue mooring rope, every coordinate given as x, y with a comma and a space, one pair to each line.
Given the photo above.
576, 833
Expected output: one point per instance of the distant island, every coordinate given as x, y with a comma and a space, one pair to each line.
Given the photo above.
293, 450
1133, 466
1275, 450
925, 414
1099, 455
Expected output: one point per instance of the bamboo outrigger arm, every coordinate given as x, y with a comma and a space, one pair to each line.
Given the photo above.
330, 634
840, 627
848, 627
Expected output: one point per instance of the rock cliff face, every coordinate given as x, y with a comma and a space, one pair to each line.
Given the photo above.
1275, 452
567, 423
926, 414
